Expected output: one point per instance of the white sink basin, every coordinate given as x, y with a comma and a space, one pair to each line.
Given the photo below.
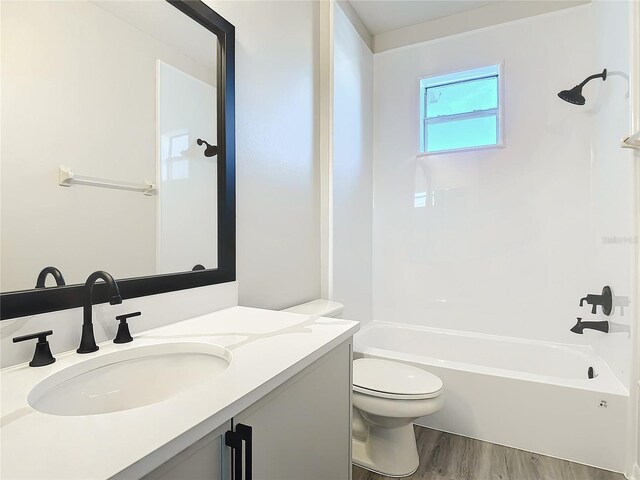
130, 378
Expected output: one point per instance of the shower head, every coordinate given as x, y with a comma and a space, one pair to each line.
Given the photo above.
210, 150
574, 95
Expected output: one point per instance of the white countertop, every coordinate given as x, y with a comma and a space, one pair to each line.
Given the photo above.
268, 348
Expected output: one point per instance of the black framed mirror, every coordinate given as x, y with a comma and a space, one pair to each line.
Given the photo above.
208, 157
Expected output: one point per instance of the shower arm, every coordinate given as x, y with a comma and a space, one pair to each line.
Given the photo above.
602, 75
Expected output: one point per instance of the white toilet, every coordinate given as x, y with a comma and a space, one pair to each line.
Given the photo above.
387, 397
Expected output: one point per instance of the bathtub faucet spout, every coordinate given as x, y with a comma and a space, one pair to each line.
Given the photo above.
579, 327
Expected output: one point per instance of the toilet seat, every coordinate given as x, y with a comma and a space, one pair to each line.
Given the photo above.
396, 396
394, 380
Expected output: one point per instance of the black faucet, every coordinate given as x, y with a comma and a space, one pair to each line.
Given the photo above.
54, 272
88, 341
579, 327
605, 300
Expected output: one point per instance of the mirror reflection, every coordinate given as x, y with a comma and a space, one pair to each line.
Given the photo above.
109, 141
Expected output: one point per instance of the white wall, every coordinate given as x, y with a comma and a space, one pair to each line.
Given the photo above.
78, 89
356, 22
187, 204
633, 437
278, 205
352, 172
515, 236
613, 226
507, 247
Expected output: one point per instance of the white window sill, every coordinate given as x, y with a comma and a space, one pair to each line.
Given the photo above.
460, 150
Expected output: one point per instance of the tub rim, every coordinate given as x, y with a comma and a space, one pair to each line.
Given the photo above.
605, 382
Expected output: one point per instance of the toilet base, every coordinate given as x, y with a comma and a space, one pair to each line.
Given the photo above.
388, 451
382, 473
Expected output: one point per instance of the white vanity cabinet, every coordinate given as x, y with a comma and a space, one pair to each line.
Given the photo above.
299, 431
201, 461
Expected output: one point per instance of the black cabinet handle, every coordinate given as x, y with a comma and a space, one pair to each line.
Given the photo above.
246, 433
234, 440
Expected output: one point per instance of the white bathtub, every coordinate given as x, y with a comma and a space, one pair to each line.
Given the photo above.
526, 394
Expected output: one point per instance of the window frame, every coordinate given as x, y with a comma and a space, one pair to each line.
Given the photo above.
459, 76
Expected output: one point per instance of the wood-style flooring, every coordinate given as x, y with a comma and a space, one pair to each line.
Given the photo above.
444, 456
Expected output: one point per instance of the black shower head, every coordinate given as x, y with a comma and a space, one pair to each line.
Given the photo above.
575, 94
210, 150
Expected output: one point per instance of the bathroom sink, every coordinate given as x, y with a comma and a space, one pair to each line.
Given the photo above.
131, 378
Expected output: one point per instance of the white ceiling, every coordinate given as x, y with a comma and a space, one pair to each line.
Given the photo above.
381, 16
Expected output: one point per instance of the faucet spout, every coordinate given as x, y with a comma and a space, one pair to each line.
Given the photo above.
54, 272
88, 341
579, 328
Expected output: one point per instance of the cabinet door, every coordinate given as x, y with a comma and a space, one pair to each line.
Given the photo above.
302, 430
200, 461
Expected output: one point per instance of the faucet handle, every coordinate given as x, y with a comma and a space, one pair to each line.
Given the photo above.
42, 355
123, 335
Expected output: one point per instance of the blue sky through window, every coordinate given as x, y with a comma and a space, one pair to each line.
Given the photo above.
467, 133
462, 97
460, 110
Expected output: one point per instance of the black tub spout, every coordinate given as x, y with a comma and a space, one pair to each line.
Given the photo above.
579, 327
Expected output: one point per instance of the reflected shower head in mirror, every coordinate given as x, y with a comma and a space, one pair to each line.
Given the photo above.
210, 151
575, 94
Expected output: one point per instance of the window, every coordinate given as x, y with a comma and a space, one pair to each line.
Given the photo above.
460, 110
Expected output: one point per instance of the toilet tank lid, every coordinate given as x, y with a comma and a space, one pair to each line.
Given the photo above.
320, 308
394, 377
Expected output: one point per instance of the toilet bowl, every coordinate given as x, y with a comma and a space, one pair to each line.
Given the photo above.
387, 398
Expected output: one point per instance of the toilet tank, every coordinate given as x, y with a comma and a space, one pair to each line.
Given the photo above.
319, 307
